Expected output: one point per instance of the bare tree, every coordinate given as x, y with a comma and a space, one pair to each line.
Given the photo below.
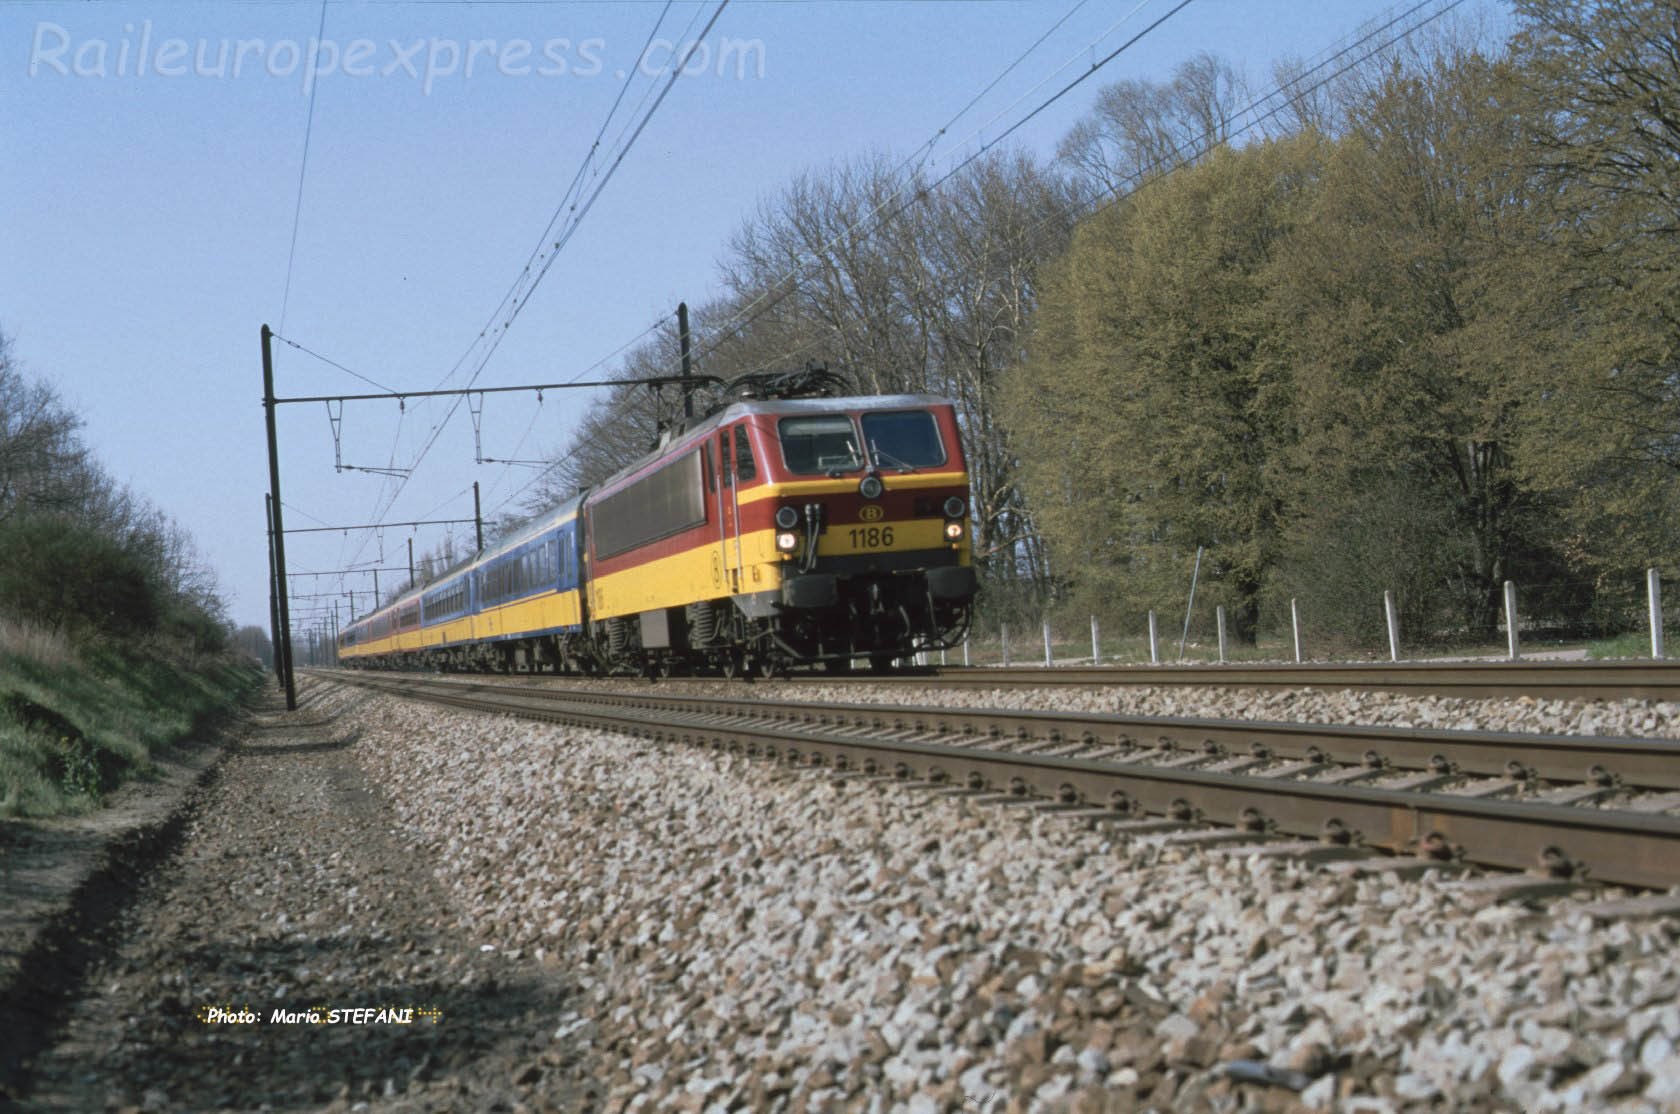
1140, 129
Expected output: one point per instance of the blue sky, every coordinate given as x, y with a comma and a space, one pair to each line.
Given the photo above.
148, 216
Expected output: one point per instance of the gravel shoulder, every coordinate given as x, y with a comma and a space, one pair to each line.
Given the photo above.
293, 887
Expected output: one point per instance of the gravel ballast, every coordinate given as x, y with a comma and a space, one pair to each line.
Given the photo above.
746, 936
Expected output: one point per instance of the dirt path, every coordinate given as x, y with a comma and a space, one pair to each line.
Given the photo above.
290, 890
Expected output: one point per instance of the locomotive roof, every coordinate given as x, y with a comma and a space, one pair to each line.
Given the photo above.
822, 405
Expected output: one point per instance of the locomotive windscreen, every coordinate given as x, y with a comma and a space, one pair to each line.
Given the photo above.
903, 439
891, 438
823, 443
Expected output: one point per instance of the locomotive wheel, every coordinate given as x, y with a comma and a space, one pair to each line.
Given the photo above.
767, 666
730, 664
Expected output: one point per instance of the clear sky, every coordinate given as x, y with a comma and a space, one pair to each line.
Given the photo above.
150, 159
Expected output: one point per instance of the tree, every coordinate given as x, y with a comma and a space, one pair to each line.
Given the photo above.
1596, 92
1405, 368
1157, 416
1141, 129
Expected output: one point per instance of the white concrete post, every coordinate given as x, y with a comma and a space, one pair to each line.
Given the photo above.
1219, 616
1195, 574
1295, 626
965, 651
1511, 618
1096, 652
942, 655
1653, 592
1047, 660
1154, 642
1003, 636
1393, 626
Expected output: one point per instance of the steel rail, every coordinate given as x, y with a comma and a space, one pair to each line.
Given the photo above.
1649, 680
1606, 844
1634, 763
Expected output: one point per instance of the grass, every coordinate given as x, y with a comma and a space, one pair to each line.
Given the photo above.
1635, 645
77, 722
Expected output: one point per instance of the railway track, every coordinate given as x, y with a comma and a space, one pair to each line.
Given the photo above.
1618, 680
1484, 798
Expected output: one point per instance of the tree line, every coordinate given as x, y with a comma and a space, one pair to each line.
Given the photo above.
1419, 332
81, 554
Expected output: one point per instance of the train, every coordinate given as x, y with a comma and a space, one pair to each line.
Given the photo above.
784, 529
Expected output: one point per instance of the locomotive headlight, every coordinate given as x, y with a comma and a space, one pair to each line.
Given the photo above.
786, 518
871, 487
953, 531
954, 507
786, 540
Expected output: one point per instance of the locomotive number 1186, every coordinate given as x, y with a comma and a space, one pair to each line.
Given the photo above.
871, 537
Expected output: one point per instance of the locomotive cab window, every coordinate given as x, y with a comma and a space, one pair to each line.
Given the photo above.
818, 444
902, 439
744, 467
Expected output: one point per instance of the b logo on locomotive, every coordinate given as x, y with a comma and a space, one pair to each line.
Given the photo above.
870, 513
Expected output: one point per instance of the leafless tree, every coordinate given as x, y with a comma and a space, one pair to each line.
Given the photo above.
1140, 129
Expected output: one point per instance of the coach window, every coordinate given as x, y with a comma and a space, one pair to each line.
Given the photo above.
744, 467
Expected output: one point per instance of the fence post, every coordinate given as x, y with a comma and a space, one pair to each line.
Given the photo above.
965, 649
1653, 591
942, 655
1195, 573
1096, 653
1393, 626
1511, 619
1003, 636
1219, 615
1295, 627
1154, 642
1047, 659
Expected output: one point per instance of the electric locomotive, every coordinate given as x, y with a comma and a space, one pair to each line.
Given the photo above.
777, 532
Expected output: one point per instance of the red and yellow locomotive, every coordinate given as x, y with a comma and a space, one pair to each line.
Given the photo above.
777, 532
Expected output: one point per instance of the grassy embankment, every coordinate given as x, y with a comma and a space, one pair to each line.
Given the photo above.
76, 721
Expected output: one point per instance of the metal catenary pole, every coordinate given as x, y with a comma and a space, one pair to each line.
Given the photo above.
687, 364
273, 599
478, 518
285, 647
